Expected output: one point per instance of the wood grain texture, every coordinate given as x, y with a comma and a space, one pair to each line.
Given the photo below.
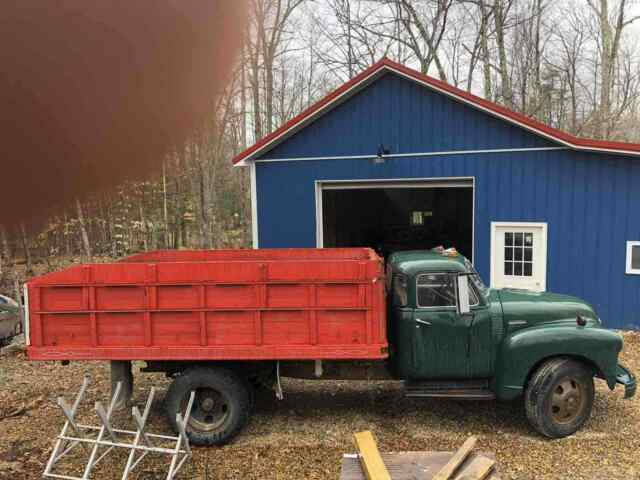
372, 464
410, 465
478, 469
458, 458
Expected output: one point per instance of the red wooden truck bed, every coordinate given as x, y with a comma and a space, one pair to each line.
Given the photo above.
212, 305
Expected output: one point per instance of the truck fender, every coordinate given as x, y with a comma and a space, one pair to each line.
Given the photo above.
523, 351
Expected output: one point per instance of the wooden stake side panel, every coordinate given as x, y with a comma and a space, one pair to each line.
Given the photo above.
238, 309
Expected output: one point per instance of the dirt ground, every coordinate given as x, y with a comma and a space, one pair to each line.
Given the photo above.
305, 435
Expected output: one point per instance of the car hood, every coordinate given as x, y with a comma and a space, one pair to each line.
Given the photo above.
543, 307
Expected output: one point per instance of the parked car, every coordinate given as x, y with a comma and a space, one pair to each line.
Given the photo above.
10, 318
222, 322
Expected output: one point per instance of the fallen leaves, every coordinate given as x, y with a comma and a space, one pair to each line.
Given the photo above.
305, 435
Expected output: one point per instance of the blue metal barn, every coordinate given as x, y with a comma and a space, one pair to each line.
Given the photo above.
397, 160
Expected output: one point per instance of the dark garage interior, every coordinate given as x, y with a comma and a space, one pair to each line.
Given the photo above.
395, 219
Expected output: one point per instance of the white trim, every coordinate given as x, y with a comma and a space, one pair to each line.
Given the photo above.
254, 205
495, 225
423, 182
25, 306
410, 155
629, 269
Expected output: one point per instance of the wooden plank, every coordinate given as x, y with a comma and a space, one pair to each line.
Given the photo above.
458, 458
478, 469
370, 458
410, 465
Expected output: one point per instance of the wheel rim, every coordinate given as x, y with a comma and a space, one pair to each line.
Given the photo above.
210, 410
568, 400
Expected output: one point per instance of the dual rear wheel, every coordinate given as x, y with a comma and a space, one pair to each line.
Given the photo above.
221, 407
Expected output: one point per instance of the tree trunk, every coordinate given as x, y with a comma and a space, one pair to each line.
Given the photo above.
86, 246
505, 81
25, 246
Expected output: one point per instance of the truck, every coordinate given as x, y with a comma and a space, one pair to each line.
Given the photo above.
223, 323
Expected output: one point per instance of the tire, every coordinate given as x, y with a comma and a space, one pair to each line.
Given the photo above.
221, 408
559, 397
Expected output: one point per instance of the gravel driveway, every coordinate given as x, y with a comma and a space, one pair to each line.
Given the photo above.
305, 435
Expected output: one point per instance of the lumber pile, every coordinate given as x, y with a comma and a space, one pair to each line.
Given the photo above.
370, 464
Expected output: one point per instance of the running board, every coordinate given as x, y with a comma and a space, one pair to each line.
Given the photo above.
461, 389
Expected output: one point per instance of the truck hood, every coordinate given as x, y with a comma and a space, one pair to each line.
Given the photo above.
543, 307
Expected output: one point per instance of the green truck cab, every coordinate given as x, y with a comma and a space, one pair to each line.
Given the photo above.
451, 336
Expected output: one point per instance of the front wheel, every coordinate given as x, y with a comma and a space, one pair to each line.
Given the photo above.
559, 397
221, 407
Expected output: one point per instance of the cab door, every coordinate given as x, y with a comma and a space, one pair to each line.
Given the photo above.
446, 344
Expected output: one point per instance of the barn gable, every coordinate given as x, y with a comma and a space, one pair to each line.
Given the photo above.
405, 118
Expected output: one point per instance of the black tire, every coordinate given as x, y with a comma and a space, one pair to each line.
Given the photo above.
559, 397
221, 408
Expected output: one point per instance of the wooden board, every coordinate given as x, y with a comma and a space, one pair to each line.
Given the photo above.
370, 459
409, 465
456, 460
478, 469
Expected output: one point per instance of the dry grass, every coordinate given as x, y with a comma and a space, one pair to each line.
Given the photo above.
305, 435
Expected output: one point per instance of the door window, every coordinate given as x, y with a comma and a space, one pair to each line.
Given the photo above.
438, 290
518, 254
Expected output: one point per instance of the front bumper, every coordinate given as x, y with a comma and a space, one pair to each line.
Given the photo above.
628, 379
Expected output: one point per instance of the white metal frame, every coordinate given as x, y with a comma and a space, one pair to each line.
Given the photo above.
410, 155
495, 225
25, 315
254, 205
629, 269
99, 441
427, 182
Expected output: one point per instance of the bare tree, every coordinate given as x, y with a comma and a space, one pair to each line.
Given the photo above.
612, 24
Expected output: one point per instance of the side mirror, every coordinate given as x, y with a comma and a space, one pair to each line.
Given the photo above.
462, 292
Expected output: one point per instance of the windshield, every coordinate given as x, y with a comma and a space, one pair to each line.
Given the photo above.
476, 279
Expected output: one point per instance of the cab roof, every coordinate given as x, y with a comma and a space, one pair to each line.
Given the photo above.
417, 261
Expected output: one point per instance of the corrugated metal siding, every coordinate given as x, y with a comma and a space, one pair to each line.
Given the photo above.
406, 118
590, 201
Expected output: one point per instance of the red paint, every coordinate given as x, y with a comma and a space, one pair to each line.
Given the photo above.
386, 64
213, 305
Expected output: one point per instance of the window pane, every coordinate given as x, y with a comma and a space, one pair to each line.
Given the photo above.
528, 254
518, 239
508, 268
508, 239
528, 239
528, 269
436, 290
517, 268
400, 290
517, 253
635, 257
508, 253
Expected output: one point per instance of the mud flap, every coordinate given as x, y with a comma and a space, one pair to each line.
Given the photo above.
626, 378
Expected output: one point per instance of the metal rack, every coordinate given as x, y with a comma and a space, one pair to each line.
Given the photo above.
98, 441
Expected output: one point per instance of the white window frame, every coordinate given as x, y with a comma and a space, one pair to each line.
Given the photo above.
629, 269
494, 227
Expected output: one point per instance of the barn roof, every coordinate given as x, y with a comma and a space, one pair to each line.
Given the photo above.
385, 65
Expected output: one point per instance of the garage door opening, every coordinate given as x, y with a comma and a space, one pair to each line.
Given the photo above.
392, 217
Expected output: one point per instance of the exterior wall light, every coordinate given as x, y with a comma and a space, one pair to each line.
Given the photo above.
379, 158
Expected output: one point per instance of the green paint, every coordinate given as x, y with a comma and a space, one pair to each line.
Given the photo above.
509, 333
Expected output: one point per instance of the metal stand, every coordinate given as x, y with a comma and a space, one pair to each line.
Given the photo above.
99, 441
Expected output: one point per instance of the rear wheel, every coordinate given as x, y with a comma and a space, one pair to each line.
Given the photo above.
221, 407
559, 397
